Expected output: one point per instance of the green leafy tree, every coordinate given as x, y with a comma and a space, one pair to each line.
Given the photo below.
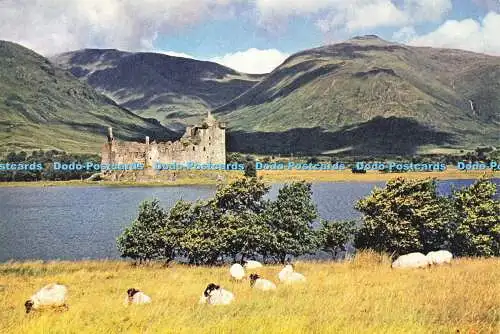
205, 239
250, 169
143, 240
405, 216
242, 195
240, 205
477, 230
290, 219
334, 235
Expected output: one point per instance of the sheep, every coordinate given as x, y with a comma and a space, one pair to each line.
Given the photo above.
135, 296
251, 264
440, 257
51, 295
260, 283
237, 272
288, 275
215, 295
411, 260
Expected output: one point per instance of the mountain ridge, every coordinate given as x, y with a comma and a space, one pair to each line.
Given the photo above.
175, 90
353, 82
45, 107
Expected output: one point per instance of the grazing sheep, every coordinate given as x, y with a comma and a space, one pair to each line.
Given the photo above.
260, 283
411, 260
288, 275
215, 295
440, 257
135, 296
52, 295
251, 264
237, 272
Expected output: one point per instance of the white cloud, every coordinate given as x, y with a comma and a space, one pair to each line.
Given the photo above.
253, 60
405, 35
53, 26
176, 54
467, 34
354, 15
426, 10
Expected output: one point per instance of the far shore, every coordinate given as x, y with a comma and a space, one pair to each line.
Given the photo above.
271, 176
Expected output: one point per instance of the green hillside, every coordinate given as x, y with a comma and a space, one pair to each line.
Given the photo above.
176, 91
44, 107
368, 95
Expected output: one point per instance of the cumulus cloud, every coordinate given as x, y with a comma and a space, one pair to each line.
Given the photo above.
467, 34
405, 35
176, 54
52, 26
253, 60
491, 5
355, 15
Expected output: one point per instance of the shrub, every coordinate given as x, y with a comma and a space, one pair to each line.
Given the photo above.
406, 216
477, 230
334, 235
143, 240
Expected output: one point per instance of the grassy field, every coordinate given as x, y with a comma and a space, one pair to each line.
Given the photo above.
358, 296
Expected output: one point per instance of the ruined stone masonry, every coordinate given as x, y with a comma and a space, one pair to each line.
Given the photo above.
205, 143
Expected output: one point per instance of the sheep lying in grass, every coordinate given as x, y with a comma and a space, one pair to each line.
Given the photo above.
288, 275
237, 272
251, 264
439, 257
135, 296
215, 295
52, 295
261, 284
411, 260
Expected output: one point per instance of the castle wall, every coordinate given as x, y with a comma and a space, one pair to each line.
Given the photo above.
200, 144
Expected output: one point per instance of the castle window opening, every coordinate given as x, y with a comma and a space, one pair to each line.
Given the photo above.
204, 149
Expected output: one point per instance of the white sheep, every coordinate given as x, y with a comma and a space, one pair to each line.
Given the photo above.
51, 295
440, 257
135, 296
288, 275
411, 260
215, 295
251, 264
261, 284
237, 272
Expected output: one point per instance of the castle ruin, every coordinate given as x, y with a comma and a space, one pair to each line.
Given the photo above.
205, 143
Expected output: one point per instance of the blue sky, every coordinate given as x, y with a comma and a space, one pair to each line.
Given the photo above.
251, 36
213, 38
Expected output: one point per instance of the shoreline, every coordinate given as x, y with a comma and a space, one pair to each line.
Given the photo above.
271, 176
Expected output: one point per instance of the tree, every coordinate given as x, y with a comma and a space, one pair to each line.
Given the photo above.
477, 222
290, 219
205, 240
405, 216
250, 169
334, 235
143, 240
242, 195
240, 205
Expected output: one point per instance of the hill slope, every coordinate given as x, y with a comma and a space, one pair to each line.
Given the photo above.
370, 95
173, 90
44, 107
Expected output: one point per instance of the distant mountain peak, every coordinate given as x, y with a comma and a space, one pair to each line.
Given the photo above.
367, 37
371, 39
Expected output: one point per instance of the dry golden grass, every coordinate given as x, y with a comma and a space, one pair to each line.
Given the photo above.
369, 176
361, 296
270, 176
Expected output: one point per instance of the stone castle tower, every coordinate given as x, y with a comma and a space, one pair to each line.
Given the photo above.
205, 143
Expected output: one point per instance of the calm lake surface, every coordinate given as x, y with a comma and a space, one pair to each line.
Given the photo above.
72, 223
